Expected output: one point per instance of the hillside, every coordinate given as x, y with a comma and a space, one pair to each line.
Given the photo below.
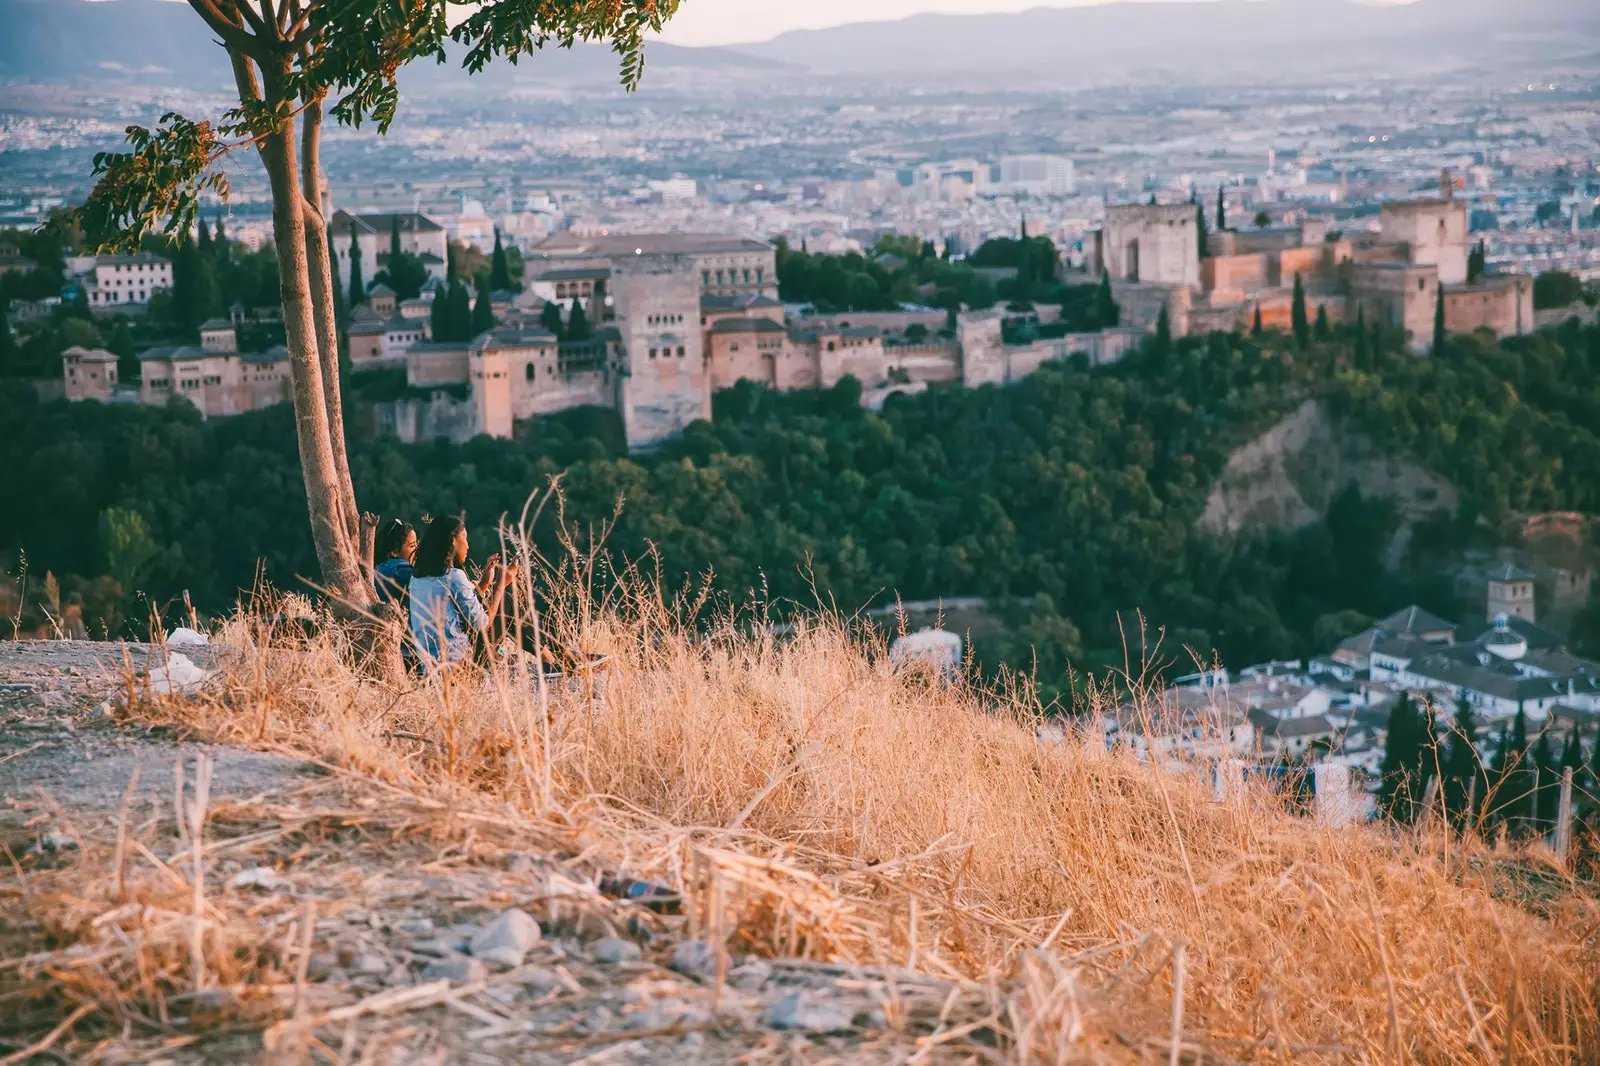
1246, 37
167, 44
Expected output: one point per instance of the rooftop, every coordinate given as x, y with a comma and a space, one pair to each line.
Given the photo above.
382, 222
1509, 572
746, 325
566, 245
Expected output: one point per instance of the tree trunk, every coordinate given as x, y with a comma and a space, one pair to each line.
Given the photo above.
334, 539
319, 263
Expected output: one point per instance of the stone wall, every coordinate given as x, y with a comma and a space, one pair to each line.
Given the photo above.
666, 382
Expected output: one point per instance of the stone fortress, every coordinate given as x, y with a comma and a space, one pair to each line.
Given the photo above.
675, 317
1393, 276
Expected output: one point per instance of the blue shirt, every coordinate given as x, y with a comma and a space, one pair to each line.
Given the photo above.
393, 577
442, 608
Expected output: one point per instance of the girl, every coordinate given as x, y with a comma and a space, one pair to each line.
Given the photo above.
396, 552
446, 608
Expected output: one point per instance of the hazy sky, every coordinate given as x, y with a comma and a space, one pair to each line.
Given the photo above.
731, 21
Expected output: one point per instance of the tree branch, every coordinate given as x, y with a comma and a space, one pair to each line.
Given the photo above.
232, 34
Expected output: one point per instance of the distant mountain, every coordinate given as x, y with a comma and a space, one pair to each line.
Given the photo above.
1205, 38
159, 41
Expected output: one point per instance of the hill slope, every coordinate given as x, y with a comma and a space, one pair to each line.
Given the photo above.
1262, 35
73, 40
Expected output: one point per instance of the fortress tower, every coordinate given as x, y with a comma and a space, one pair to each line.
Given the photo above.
1153, 243
664, 382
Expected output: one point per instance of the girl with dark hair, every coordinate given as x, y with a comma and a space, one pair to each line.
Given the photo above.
445, 605
396, 551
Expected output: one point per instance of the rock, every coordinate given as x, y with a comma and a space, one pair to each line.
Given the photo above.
695, 958
439, 947
56, 701
321, 965
184, 637
665, 1012
750, 975
415, 926
18, 688
507, 939
263, 877
799, 1012
180, 675
614, 950
459, 970
369, 963
541, 980
506, 958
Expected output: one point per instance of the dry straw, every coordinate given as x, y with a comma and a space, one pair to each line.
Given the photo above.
810, 801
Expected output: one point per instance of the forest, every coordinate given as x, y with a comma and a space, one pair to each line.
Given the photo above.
1069, 499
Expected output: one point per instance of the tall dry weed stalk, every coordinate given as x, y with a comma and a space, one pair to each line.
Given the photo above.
840, 809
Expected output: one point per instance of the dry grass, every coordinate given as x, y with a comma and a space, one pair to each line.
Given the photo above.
810, 801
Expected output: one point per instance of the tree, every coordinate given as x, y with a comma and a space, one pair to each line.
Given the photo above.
1477, 262
1222, 211
187, 313
577, 322
287, 57
121, 345
395, 250
1106, 310
341, 304
1262, 220
1255, 327
1402, 759
1461, 766
440, 324
1299, 323
499, 269
358, 287
203, 241
1360, 356
1200, 227
8, 343
1548, 789
1161, 346
483, 306
1439, 335
550, 319
1322, 331
219, 242
460, 312
1556, 288
127, 547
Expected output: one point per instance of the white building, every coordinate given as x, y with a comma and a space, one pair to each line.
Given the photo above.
1037, 175
420, 236
127, 279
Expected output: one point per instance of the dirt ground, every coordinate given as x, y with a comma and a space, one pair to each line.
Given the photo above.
415, 954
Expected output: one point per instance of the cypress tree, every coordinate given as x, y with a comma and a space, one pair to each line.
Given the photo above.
483, 307
550, 319
1361, 356
460, 312
577, 322
1161, 348
1322, 330
1297, 315
121, 345
449, 264
1255, 327
1222, 211
204, 240
499, 268
1516, 804
439, 317
8, 343
1461, 761
394, 236
1202, 238
219, 242
187, 313
358, 287
341, 308
1548, 792
1107, 313
1402, 759
1438, 323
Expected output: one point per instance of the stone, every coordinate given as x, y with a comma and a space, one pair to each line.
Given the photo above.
505, 958
321, 965
614, 950
263, 877
541, 980
18, 688
750, 975
439, 947
695, 958
507, 939
369, 963
665, 1012
415, 926
800, 1012
458, 971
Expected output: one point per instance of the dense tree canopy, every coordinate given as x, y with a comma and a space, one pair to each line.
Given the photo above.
1078, 489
